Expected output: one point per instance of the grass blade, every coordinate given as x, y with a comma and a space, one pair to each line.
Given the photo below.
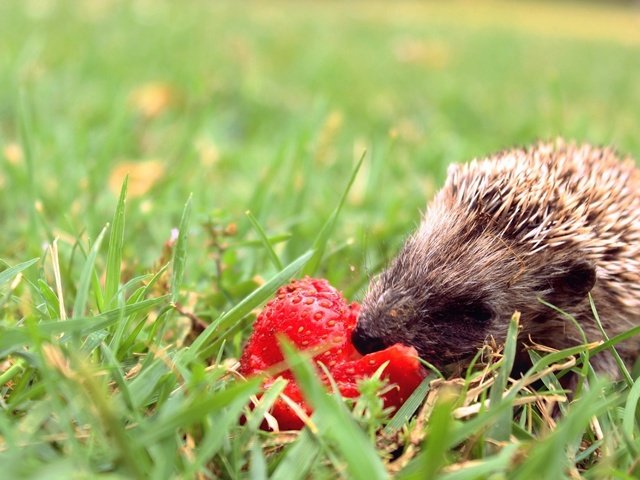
320, 243
218, 432
11, 272
621, 366
629, 422
258, 464
408, 408
265, 240
180, 252
440, 428
116, 340
501, 429
621, 337
116, 240
86, 277
491, 467
299, 458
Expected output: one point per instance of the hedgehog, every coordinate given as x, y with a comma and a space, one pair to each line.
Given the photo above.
517, 231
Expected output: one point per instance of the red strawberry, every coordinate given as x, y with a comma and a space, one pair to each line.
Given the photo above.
311, 313
403, 372
314, 315
287, 417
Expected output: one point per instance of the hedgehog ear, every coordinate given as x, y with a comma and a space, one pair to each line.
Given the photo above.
575, 283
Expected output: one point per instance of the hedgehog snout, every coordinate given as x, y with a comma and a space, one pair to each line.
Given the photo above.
365, 342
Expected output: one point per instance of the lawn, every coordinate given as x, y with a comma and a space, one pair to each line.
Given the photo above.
120, 320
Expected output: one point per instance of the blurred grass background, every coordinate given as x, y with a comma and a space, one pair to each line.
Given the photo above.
267, 105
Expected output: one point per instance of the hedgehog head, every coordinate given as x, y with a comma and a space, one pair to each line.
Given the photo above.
489, 245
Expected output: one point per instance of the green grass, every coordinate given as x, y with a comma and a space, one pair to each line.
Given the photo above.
240, 123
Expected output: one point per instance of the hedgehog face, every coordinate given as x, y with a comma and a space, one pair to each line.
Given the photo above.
441, 330
441, 304
448, 291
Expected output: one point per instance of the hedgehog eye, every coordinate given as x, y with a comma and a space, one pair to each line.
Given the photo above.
479, 313
476, 312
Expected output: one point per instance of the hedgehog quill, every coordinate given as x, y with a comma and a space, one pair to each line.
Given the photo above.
554, 222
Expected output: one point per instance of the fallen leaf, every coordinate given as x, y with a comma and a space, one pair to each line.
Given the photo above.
152, 99
143, 175
432, 54
208, 152
13, 153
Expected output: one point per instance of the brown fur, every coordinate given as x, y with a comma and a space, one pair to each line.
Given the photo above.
554, 221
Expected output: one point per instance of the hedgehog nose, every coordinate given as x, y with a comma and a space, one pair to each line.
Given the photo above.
364, 342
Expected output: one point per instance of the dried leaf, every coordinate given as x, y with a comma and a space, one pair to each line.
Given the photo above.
153, 99
142, 176
13, 153
208, 152
433, 54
